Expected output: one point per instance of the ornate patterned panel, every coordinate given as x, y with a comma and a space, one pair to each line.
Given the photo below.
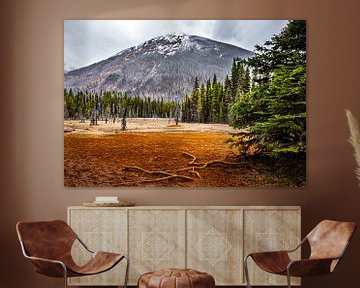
101, 230
156, 240
267, 230
214, 244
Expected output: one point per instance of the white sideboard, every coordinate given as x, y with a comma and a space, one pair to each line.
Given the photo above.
211, 239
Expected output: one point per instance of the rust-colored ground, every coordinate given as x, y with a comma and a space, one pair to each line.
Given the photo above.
91, 160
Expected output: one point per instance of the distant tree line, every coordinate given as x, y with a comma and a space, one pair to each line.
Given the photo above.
211, 102
207, 103
110, 105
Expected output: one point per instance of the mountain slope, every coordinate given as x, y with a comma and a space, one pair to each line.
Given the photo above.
165, 66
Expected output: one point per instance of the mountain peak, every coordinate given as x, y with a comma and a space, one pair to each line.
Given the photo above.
164, 66
172, 36
167, 44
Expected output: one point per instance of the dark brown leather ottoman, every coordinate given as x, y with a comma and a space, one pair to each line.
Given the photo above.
176, 278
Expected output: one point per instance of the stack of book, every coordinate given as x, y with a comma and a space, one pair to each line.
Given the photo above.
106, 199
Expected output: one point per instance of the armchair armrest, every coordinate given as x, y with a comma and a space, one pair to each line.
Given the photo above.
298, 246
49, 267
279, 252
83, 244
309, 267
314, 266
271, 261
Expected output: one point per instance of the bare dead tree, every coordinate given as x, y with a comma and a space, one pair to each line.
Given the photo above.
123, 120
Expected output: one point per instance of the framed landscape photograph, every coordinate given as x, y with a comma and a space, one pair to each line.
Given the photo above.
193, 103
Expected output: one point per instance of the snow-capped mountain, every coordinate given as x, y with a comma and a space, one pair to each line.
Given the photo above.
165, 66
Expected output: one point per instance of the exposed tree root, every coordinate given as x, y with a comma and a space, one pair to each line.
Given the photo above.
214, 162
167, 176
187, 178
196, 173
191, 169
210, 163
188, 154
129, 168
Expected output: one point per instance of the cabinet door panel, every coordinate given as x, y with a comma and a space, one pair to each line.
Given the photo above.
270, 230
156, 240
214, 244
100, 230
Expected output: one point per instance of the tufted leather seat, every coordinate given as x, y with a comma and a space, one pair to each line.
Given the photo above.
176, 278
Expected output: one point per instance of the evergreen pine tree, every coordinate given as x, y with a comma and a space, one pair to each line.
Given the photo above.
207, 102
272, 115
234, 80
202, 104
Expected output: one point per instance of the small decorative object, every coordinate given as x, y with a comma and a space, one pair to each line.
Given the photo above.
108, 201
354, 140
109, 204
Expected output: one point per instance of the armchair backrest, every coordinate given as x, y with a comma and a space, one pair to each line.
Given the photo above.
329, 239
46, 239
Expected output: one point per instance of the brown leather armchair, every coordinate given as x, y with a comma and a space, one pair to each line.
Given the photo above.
328, 242
48, 245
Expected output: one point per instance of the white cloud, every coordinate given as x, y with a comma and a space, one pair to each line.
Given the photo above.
89, 41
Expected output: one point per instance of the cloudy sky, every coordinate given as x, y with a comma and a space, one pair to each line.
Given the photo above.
89, 41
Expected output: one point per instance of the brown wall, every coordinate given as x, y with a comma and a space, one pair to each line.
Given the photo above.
31, 111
